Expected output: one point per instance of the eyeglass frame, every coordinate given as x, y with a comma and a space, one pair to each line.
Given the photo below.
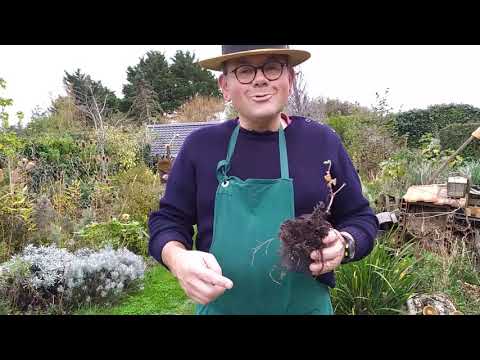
256, 71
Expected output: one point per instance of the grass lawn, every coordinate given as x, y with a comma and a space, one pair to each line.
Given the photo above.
162, 296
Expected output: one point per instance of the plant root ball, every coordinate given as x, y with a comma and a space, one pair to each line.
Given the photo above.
302, 235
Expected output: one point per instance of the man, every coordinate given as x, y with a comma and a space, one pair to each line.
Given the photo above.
241, 179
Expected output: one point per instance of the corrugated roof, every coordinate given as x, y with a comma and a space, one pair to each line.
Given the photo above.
174, 133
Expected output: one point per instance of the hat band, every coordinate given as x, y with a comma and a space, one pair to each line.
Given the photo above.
230, 49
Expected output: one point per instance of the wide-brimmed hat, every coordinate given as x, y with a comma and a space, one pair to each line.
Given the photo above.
230, 52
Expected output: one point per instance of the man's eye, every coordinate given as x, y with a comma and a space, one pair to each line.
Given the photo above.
245, 70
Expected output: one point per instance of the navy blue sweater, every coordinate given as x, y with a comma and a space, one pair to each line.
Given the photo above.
190, 192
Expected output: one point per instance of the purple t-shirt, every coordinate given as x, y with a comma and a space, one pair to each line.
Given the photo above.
190, 192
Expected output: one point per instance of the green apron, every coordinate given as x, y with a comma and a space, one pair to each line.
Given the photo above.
247, 219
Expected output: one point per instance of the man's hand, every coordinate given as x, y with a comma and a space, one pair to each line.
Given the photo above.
333, 254
198, 273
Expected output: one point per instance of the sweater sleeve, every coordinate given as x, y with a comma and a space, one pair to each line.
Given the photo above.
351, 211
177, 213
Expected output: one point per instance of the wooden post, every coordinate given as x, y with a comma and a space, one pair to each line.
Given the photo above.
475, 135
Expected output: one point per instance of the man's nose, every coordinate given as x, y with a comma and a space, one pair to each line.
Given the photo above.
260, 79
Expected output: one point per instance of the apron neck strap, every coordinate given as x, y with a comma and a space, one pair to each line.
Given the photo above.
282, 146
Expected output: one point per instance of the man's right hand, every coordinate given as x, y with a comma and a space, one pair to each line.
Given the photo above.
198, 273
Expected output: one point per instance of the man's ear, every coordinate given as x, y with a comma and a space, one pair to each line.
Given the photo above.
291, 79
223, 84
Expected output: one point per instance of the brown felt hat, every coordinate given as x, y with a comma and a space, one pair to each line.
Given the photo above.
230, 52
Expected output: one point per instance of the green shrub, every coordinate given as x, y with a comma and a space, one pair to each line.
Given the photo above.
10, 146
447, 273
472, 170
16, 222
341, 124
368, 141
67, 157
103, 199
407, 167
454, 135
123, 148
416, 123
4, 308
63, 117
118, 234
55, 281
378, 284
139, 192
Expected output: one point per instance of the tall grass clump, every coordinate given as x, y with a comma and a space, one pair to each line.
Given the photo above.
379, 284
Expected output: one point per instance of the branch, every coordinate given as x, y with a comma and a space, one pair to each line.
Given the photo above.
104, 103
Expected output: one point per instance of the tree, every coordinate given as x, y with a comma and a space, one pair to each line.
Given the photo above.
93, 105
153, 73
81, 87
190, 79
146, 104
4, 103
299, 102
153, 83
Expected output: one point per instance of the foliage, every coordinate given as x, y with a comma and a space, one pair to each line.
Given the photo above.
82, 88
416, 123
172, 84
471, 169
341, 124
200, 109
60, 158
122, 149
407, 167
103, 199
369, 142
44, 216
16, 223
62, 117
378, 284
162, 295
4, 102
139, 192
454, 135
10, 145
55, 280
191, 79
454, 274
116, 233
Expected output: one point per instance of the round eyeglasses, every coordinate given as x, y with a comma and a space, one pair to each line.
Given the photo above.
272, 70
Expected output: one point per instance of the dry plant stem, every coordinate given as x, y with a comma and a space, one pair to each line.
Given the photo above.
332, 197
304, 234
257, 248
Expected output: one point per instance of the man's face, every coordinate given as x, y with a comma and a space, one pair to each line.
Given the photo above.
262, 99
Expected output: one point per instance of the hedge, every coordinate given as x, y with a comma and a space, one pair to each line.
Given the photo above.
416, 123
454, 135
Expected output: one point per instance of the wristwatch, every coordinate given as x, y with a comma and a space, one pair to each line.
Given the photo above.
349, 247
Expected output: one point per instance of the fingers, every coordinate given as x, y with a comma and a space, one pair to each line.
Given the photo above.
318, 268
203, 292
211, 277
211, 263
331, 255
332, 237
328, 253
200, 276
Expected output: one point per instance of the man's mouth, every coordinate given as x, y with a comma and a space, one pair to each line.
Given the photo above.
261, 97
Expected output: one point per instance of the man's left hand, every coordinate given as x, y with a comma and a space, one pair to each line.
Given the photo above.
333, 254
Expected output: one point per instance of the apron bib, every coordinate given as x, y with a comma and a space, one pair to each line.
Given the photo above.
247, 219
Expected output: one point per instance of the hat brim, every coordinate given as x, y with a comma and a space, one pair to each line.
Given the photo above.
296, 57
